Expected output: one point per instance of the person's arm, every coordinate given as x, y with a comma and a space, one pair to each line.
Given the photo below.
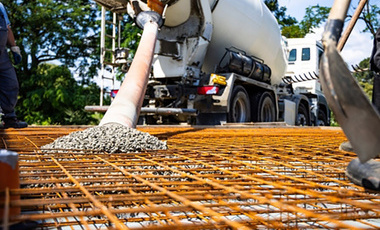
14, 48
11, 38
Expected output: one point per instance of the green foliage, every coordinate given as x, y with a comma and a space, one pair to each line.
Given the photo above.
280, 13
57, 98
290, 27
367, 88
129, 38
370, 16
314, 17
293, 31
55, 31
365, 78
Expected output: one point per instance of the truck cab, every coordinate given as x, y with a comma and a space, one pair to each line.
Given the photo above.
302, 73
304, 57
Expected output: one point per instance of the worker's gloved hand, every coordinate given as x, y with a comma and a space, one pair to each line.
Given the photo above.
16, 54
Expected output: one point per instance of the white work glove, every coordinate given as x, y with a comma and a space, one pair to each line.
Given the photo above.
16, 54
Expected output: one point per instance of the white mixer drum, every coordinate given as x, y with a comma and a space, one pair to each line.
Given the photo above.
247, 25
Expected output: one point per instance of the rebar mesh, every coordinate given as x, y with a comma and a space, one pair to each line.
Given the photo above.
212, 178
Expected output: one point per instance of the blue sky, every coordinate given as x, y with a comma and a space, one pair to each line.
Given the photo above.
358, 46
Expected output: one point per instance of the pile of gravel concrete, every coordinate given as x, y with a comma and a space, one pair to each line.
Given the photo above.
110, 138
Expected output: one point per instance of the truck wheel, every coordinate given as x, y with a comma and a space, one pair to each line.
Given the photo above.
240, 109
267, 110
302, 116
322, 118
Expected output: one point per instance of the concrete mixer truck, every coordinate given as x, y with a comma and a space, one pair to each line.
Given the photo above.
220, 61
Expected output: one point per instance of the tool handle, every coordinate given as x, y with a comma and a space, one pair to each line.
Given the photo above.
334, 25
351, 25
339, 10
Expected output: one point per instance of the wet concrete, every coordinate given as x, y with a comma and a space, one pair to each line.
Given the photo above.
111, 138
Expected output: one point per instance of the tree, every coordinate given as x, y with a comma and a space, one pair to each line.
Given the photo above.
57, 98
288, 25
130, 37
280, 13
365, 78
370, 16
55, 31
314, 17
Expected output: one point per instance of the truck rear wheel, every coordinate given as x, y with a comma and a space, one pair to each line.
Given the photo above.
267, 110
322, 118
239, 108
302, 116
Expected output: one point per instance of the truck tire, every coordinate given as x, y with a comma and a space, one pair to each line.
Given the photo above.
322, 118
239, 108
303, 118
267, 110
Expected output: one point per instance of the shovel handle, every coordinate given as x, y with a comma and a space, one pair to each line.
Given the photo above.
339, 10
351, 25
335, 21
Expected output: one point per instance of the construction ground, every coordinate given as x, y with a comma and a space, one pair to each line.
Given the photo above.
210, 178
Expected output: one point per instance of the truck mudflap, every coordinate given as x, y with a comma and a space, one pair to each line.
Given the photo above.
301, 116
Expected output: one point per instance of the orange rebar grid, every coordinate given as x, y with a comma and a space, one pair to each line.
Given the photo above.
210, 178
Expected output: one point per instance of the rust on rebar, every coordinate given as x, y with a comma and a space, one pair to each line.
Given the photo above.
209, 178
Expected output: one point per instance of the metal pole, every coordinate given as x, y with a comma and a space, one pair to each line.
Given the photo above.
119, 32
113, 48
102, 53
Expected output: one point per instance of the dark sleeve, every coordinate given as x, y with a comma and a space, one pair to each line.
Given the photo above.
375, 56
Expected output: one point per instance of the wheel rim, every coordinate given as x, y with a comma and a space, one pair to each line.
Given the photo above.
266, 110
321, 123
239, 110
301, 119
321, 119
